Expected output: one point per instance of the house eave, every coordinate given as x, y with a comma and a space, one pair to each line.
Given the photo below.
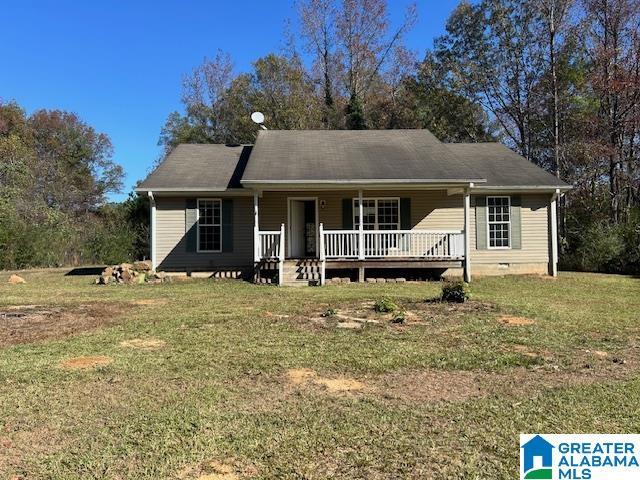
521, 188
397, 184
194, 191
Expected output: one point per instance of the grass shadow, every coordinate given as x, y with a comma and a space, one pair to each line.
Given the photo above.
84, 271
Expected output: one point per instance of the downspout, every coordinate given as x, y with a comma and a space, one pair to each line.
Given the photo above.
467, 233
553, 221
154, 258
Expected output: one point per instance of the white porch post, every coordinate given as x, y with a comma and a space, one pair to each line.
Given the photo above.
360, 227
281, 257
554, 234
467, 239
323, 260
154, 252
256, 229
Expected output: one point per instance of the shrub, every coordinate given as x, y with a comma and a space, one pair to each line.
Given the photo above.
385, 305
330, 312
456, 292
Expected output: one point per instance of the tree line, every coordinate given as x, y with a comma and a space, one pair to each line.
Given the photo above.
556, 80
55, 174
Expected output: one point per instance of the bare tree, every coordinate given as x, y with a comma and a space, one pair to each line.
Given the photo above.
317, 19
613, 43
352, 44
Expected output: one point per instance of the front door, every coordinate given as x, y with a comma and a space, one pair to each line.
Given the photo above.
302, 228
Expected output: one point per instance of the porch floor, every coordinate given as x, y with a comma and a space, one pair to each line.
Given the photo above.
394, 263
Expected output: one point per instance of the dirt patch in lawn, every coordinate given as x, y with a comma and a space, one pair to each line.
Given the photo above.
355, 316
143, 344
32, 323
216, 470
459, 386
305, 376
81, 363
515, 321
431, 386
151, 301
19, 441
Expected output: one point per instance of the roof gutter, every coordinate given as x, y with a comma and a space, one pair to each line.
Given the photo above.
365, 181
536, 188
192, 190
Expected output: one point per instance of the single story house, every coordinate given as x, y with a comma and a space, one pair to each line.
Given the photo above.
297, 204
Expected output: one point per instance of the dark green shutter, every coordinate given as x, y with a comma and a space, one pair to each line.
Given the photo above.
347, 213
190, 227
481, 223
405, 214
227, 225
516, 222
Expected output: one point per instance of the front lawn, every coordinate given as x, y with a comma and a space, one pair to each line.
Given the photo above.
233, 380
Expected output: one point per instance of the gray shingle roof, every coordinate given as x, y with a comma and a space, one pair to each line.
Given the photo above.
502, 167
199, 167
339, 156
353, 155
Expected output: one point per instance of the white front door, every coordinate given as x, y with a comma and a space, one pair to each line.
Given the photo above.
302, 227
296, 229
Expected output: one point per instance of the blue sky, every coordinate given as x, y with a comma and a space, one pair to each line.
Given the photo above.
119, 64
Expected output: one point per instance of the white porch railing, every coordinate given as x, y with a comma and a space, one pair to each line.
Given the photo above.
340, 243
424, 244
270, 246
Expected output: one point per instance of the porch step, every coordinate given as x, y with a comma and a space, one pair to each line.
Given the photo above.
301, 272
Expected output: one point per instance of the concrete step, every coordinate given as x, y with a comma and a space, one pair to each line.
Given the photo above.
301, 283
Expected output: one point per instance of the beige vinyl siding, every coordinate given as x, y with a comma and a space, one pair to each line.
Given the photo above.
171, 247
535, 235
429, 209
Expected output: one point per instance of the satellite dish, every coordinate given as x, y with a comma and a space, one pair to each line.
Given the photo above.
257, 117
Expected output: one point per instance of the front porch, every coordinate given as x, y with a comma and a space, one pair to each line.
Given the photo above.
373, 243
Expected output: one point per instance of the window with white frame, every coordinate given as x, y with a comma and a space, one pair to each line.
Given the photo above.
499, 222
209, 225
378, 214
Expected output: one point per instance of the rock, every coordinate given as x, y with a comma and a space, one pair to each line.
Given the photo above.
381, 280
107, 272
345, 280
142, 266
401, 280
126, 276
371, 280
16, 279
336, 280
391, 280
104, 280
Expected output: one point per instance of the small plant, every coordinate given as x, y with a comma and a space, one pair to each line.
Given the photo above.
385, 305
330, 312
455, 292
400, 317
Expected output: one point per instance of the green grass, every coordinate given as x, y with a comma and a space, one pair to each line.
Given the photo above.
218, 391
